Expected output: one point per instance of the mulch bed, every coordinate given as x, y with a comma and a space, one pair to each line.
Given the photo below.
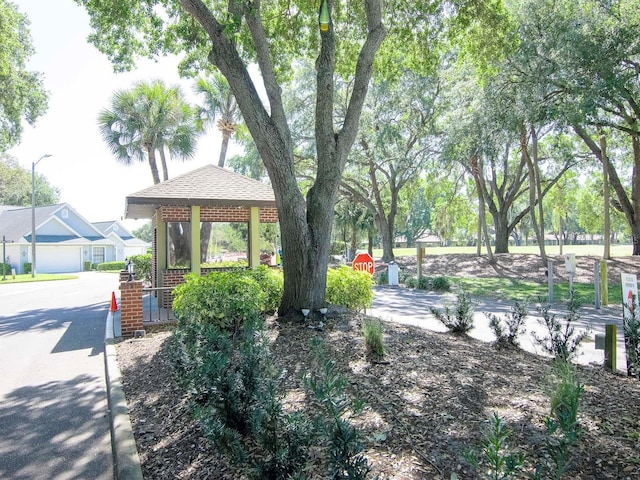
424, 406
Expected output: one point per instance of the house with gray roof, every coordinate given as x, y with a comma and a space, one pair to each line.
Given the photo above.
125, 243
64, 239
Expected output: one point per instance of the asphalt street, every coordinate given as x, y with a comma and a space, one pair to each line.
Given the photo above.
53, 405
412, 306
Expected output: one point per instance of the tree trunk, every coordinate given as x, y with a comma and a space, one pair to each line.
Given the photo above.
205, 237
606, 194
223, 149
386, 236
163, 162
538, 228
502, 232
153, 165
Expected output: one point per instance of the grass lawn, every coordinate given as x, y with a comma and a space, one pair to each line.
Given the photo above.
514, 289
616, 250
40, 277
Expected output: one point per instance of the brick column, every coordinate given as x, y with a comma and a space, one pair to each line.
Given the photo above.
130, 307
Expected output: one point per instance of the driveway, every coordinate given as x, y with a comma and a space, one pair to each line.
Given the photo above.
412, 306
53, 405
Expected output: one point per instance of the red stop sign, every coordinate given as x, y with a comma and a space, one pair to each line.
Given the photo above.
364, 262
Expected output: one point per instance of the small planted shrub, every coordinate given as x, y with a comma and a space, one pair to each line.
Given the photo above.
496, 463
5, 268
346, 460
373, 337
563, 429
225, 299
349, 288
562, 339
458, 319
631, 327
508, 329
26, 267
440, 284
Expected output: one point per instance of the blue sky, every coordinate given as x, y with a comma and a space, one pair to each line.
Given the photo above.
81, 81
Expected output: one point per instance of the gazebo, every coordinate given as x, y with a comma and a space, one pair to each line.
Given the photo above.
179, 206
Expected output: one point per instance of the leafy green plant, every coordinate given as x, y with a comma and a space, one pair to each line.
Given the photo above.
459, 319
563, 429
508, 329
631, 327
349, 288
271, 281
346, 460
237, 399
562, 339
373, 337
440, 284
26, 267
225, 299
500, 465
142, 266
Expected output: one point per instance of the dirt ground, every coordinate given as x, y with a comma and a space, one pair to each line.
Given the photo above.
425, 404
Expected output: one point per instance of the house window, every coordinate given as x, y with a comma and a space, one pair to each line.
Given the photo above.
179, 244
223, 242
98, 254
64, 213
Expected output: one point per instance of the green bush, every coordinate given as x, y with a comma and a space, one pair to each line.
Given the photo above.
349, 288
562, 339
225, 299
440, 284
5, 268
508, 330
631, 329
459, 319
110, 266
271, 281
87, 266
26, 267
429, 283
142, 266
373, 331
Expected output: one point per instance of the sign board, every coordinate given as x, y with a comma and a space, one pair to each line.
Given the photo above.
363, 262
629, 292
570, 262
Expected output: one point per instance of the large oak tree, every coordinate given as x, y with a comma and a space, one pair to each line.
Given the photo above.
233, 34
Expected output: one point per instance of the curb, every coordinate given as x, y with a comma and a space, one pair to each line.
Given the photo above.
123, 444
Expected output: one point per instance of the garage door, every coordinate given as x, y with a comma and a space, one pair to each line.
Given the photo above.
58, 259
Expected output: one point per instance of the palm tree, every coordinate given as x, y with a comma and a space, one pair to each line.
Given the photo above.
218, 103
146, 119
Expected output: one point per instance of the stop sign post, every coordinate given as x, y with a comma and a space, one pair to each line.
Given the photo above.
363, 262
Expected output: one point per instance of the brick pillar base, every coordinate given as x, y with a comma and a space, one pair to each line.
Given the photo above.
130, 307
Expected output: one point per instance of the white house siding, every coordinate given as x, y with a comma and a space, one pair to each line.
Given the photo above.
58, 259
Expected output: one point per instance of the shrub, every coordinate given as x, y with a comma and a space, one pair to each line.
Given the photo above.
142, 266
26, 267
381, 278
225, 299
349, 288
631, 327
460, 319
271, 281
87, 266
346, 460
111, 266
5, 268
563, 339
499, 464
372, 330
563, 429
440, 284
510, 328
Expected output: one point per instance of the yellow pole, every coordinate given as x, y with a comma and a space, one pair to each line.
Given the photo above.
195, 239
254, 237
604, 284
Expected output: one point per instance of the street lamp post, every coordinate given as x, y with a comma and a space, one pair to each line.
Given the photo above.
33, 214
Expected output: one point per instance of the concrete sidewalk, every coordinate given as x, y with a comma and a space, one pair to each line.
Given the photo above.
411, 306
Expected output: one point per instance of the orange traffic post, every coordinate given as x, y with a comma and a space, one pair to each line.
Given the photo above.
114, 304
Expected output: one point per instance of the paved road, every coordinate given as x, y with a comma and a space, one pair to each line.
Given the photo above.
53, 406
411, 306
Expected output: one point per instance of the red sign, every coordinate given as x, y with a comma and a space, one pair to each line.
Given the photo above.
364, 262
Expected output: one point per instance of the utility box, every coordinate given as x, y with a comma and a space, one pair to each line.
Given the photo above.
392, 271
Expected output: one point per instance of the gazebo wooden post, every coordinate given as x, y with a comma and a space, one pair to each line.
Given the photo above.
254, 237
195, 239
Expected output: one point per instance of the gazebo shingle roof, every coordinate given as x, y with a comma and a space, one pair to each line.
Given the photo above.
208, 185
